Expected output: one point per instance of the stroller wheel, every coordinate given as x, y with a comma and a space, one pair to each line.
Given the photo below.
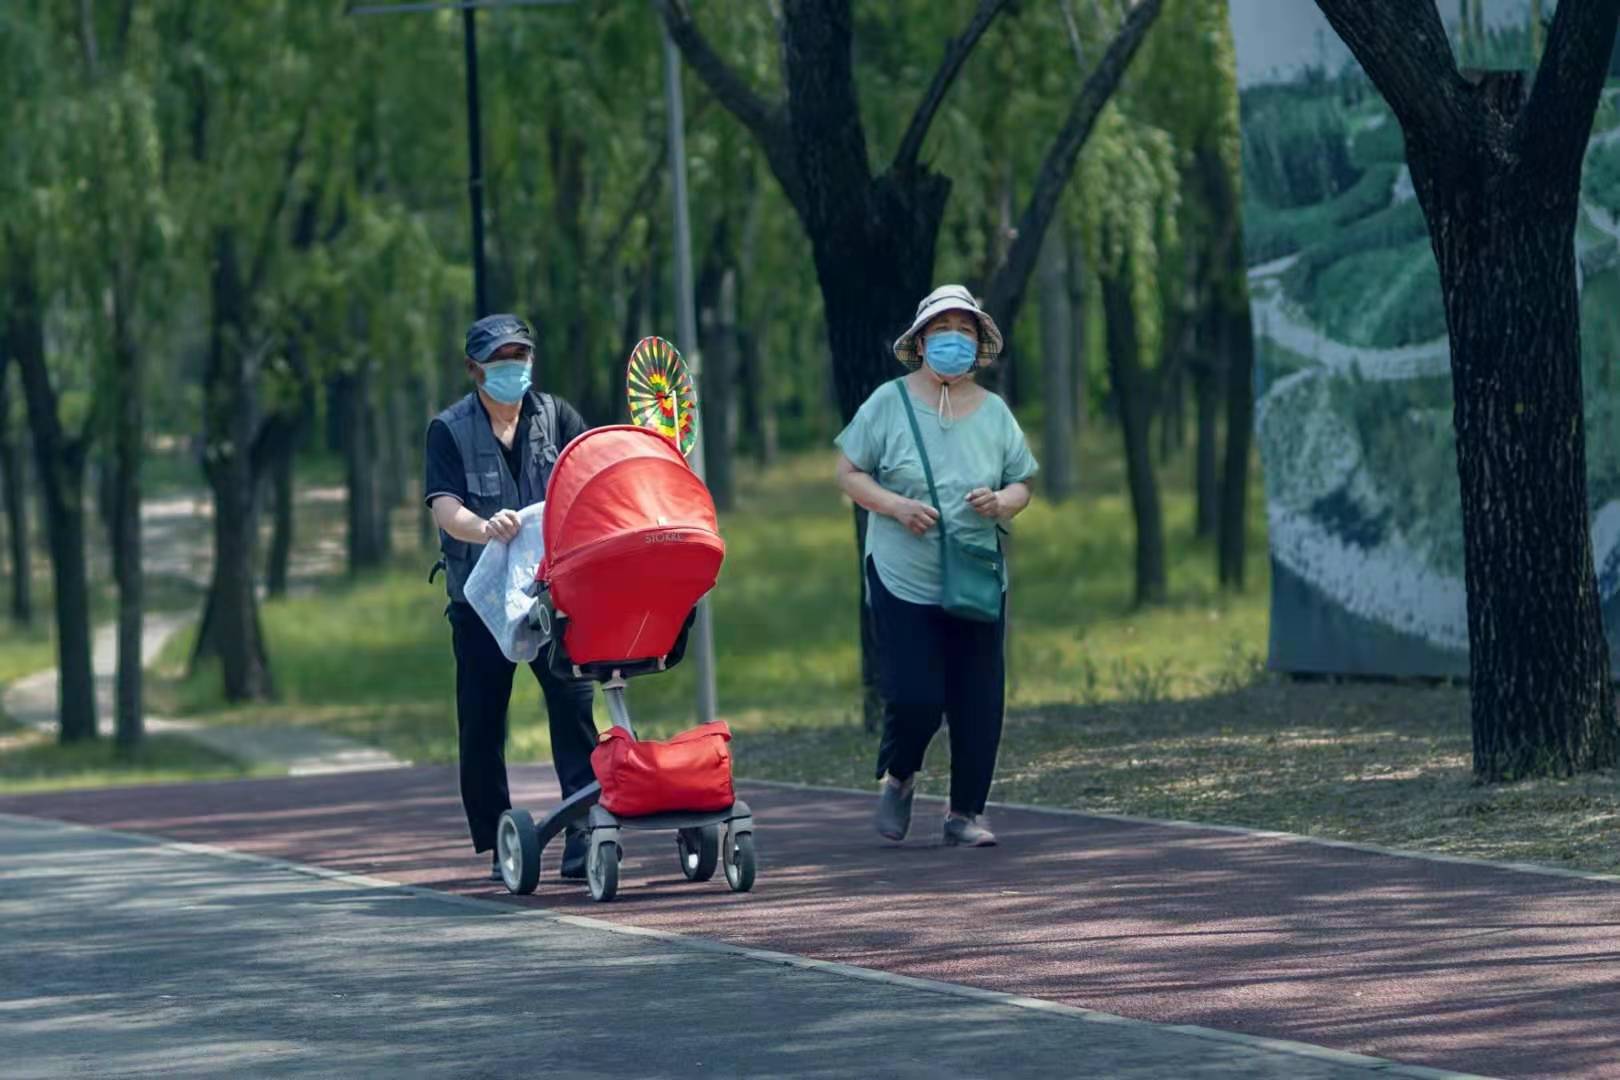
699, 850
517, 844
740, 866
602, 871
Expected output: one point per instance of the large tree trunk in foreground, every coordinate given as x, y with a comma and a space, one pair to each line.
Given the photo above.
59, 461
1497, 171
1134, 394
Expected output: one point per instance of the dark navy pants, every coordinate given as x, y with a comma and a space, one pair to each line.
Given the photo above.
937, 668
483, 692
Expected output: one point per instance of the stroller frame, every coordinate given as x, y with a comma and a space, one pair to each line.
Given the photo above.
703, 841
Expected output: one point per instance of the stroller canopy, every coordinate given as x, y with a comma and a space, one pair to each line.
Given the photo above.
632, 544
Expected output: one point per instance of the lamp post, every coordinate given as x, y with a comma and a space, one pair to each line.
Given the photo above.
686, 327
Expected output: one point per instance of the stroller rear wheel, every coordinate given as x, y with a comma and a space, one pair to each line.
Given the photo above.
699, 851
740, 865
602, 871
517, 845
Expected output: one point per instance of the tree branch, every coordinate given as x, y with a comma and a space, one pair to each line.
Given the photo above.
126, 16
1073, 27
1005, 292
267, 236
1556, 124
956, 54
765, 120
1403, 47
638, 204
87, 38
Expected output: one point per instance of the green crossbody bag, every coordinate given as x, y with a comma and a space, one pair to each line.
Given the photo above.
971, 574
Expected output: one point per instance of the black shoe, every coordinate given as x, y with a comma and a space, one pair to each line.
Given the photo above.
576, 849
495, 867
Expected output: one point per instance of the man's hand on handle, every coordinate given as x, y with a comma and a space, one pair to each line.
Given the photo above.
503, 526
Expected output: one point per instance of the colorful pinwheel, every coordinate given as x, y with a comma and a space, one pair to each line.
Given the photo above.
661, 393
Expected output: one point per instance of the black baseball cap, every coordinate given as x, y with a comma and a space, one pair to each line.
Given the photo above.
492, 331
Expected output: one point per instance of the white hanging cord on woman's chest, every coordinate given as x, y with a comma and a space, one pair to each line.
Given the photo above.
947, 416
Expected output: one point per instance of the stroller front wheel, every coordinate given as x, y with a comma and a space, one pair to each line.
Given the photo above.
699, 851
517, 845
740, 866
602, 871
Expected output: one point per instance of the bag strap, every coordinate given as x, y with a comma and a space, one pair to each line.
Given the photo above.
922, 452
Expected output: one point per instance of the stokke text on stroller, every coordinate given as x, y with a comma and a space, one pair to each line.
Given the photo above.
631, 546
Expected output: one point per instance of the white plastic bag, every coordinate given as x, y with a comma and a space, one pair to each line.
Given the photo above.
498, 587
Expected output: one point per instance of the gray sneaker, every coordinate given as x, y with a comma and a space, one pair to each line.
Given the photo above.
893, 818
968, 832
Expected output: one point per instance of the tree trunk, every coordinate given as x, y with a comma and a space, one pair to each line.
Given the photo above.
760, 414
367, 543
1080, 382
1057, 362
59, 461
719, 387
1541, 693
1496, 162
129, 451
1237, 345
14, 475
230, 628
283, 519
1207, 393
1135, 397
1231, 335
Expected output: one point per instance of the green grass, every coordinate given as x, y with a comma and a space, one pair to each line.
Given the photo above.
34, 761
24, 651
371, 658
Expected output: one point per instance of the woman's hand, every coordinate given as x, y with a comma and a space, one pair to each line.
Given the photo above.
503, 526
988, 503
916, 516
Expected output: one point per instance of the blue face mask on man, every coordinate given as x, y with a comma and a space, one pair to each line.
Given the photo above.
507, 380
950, 352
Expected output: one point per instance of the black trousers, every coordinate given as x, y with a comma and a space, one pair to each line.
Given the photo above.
934, 667
483, 692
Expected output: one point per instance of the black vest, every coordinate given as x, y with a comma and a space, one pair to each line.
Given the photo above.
490, 484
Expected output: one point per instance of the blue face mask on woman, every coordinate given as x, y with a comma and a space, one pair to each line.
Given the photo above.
950, 352
507, 380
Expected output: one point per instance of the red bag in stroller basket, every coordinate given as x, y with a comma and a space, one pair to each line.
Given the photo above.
691, 772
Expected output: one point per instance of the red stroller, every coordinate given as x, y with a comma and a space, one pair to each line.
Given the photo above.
617, 497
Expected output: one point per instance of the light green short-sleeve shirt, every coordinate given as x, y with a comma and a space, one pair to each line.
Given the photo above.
986, 448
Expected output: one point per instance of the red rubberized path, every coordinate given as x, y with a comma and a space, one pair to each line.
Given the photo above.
1451, 965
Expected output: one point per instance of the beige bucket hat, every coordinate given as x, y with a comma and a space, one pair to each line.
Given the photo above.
943, 299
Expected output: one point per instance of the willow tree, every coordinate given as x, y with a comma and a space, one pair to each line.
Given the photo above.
873, 226
58, 394
1496, 162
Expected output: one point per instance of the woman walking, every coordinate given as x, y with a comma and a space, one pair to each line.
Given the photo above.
942, 466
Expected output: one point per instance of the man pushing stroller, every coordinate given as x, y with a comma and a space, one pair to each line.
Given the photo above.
488, 456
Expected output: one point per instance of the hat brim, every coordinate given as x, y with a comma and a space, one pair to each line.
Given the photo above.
493, 347
990, 340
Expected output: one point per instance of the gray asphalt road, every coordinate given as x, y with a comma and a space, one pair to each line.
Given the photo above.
125, 957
